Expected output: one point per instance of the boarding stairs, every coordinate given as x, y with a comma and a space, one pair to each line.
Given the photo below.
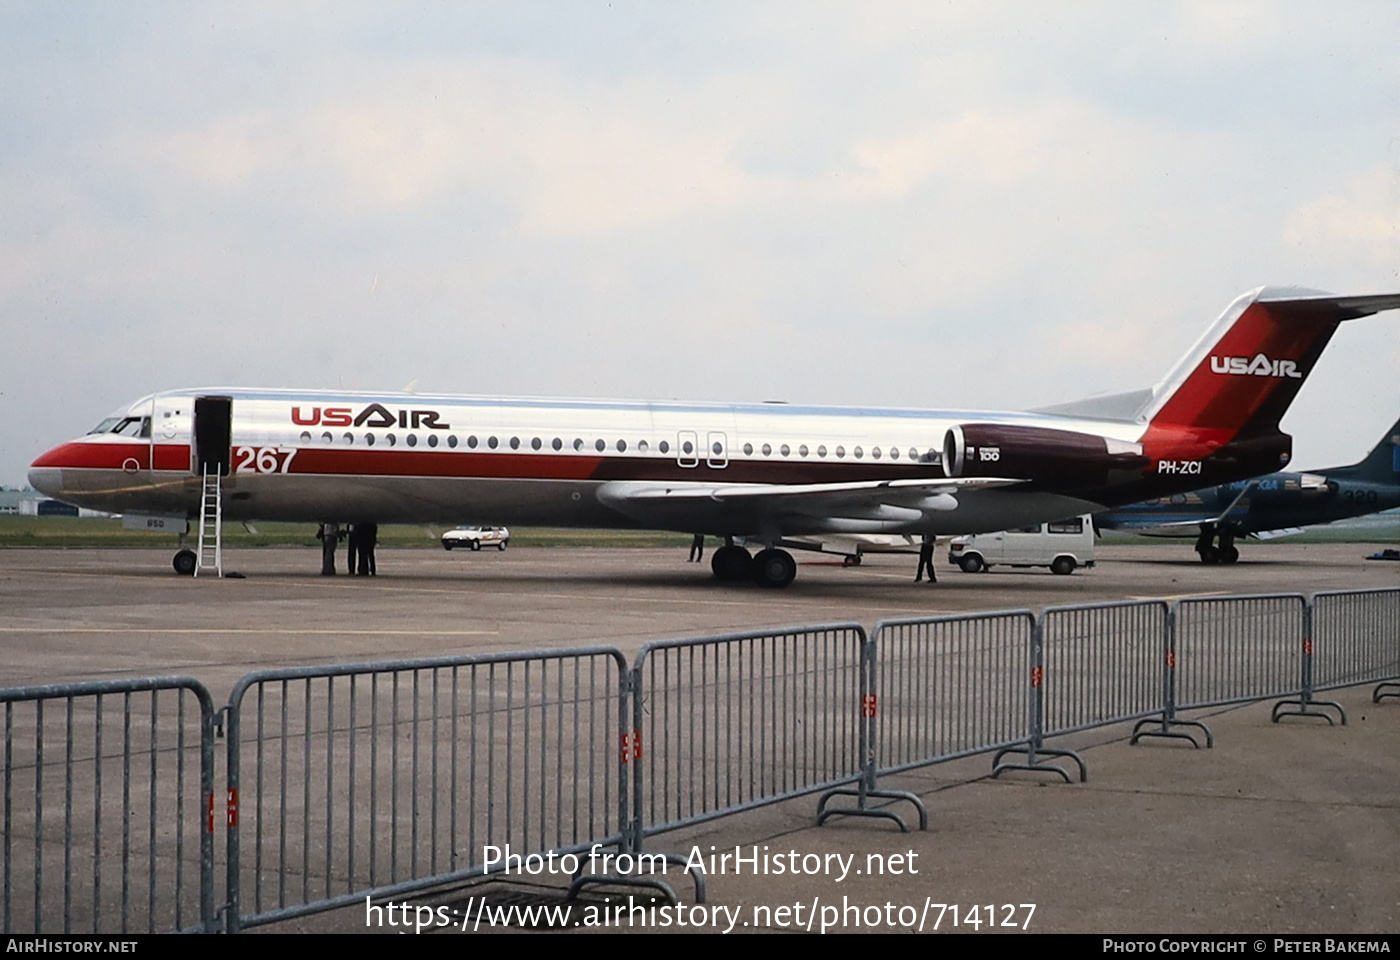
211, 525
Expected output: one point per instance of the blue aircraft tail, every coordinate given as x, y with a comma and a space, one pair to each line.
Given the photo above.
1381, 465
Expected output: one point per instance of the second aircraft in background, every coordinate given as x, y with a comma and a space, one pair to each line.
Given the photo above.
1272, 505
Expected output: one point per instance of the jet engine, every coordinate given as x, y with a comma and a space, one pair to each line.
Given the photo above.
1052, 457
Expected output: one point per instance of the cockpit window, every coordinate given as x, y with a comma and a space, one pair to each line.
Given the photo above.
125, 426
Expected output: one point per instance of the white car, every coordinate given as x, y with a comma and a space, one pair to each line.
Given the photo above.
475, 537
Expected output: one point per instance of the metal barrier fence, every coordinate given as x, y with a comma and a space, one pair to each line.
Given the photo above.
381, 779
951, 686
724, 724
1104, 663
1356, 637
1238, 649
108, 800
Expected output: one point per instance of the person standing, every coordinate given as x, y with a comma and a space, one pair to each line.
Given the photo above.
697, 548
369, 534
352, 547
329, 535
926, 560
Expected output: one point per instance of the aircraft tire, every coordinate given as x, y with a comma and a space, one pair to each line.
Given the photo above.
1229, 554
731, 563
971, 563
774, 568
185, 562
1063, 566
1209, 555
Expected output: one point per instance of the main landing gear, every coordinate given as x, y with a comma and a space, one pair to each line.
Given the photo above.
1216, 546
771, 568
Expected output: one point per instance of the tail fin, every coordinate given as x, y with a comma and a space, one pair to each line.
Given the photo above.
1239, 378
1382, 464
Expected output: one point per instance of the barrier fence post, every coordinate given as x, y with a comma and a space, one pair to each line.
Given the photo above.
1168, 722
1034, 748
867, 787
1305, 705
232, 775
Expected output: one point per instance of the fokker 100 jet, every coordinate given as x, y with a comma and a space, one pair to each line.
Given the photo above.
766, 473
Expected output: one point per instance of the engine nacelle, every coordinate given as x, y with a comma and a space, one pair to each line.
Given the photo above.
1053, 457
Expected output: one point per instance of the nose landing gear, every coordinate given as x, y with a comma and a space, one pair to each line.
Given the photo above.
184, 563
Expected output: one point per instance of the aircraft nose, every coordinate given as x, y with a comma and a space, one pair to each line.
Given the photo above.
47, 480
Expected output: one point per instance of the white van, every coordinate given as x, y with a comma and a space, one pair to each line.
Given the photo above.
1061, 545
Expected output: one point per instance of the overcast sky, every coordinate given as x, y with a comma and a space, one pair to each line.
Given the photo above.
926, 205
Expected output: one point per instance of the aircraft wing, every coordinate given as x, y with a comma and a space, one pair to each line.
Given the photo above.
1159, 528
872, 491
888, 500
1275, 534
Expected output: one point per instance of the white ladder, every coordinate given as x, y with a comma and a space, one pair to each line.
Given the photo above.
211, 525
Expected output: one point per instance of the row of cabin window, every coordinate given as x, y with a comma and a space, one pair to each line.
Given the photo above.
687, 448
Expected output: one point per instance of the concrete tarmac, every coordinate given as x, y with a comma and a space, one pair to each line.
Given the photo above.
1281, 828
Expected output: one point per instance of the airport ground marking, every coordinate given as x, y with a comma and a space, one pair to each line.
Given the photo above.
1184, 596
256, 632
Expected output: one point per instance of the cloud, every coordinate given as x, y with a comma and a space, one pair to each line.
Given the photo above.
1360, 222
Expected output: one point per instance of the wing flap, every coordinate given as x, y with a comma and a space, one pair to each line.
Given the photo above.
865, 491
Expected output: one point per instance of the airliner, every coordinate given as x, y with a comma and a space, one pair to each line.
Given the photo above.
761, 473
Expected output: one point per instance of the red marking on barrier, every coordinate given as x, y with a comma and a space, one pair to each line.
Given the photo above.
1037, 674
232, 806
867, 704
632, 746
1307, 646
1171, 659
209, 818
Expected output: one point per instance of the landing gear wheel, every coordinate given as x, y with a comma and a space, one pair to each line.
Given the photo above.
1209, 555
852, 560
476, 544
1229, 554
1063, 566
731, 563
774, 568
184, 563
971, 563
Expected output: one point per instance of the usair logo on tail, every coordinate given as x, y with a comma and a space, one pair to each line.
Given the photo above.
1260, 366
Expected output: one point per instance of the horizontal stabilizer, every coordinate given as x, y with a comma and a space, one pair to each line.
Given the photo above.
1348, 307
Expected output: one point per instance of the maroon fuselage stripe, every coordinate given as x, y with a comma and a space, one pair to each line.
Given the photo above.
511, 466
